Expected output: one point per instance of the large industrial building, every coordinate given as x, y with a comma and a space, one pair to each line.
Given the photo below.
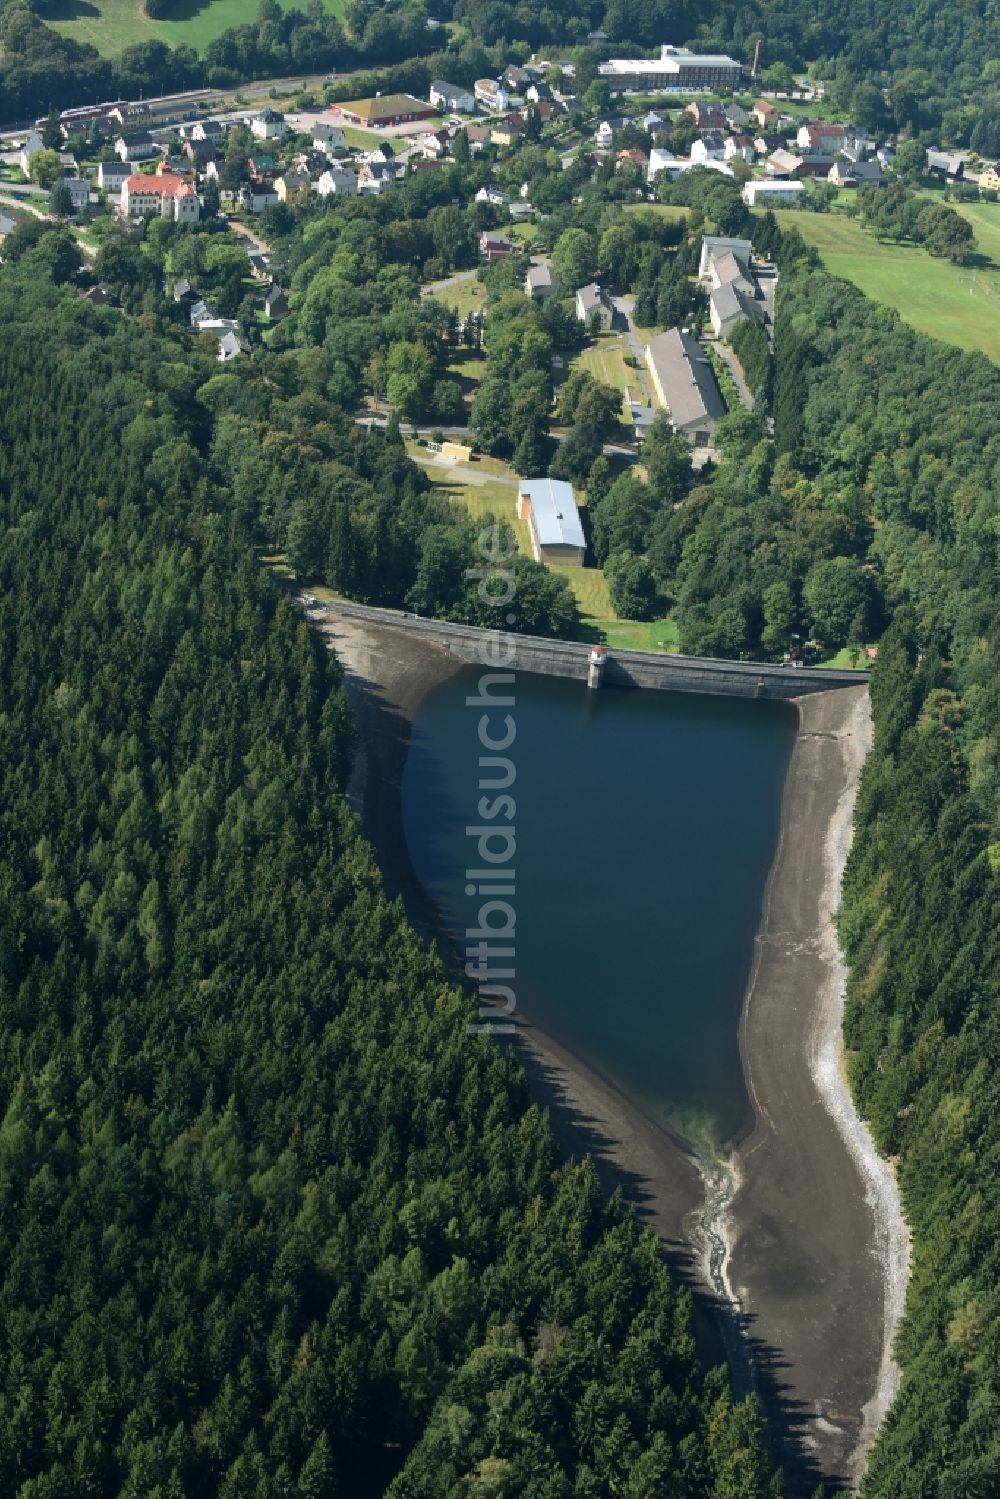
676, 70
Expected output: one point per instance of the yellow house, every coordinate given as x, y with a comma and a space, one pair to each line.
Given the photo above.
989, 182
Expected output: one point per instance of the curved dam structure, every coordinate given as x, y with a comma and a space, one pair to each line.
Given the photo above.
572, 659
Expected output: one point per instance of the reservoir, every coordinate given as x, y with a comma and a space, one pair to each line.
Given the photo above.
645, 825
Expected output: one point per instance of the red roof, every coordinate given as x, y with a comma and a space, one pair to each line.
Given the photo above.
164, 186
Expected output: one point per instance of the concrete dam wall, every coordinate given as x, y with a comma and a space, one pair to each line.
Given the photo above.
564, 658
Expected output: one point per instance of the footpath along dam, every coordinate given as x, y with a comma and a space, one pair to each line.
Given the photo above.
566, 658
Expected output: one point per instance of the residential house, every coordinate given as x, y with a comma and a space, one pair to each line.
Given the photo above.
79, 191
707, 115
814, 166
383, 110
517, 79
200, 313
507, 132
666, 161
764, 144
32, 144
594, 308
685, 385
164, 195
608, 129
291, 184
540, 93
138, 145
181, 288
451, 97
433, 144
773, 193
554, 526
327, 137
268, 125
7, 226
633, 154
730, 268
729, 305
478, 137
853, 173
494, 195
275, 304
764, 113
263, 166
376, 177
652, 121
311, 161
199, 153
211, 131
382, 154
337, 182
490, 94
740, 146
715, 247
989, 181
549, 109
817, 136
949, 165
99, 295
709, 147
538, 282
254, 197
494, 246
782, 164
737, 118
111, 175
231, 345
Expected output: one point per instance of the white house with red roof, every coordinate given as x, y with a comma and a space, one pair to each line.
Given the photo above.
165, 196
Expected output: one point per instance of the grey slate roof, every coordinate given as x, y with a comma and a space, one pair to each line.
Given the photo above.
686, 377
729, 301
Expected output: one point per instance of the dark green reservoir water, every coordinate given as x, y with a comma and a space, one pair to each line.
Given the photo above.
646, 823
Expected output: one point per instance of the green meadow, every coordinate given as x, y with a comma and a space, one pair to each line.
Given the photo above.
959, 304
111, 25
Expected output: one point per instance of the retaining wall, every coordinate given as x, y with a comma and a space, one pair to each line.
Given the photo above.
563, 658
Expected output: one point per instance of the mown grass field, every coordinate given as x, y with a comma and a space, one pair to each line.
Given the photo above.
463, 297
605, 360
112, 25
959, 304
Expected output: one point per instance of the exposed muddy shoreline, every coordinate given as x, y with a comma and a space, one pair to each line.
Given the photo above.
801, 1225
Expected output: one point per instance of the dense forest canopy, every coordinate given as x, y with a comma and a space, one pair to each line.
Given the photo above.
273, 1221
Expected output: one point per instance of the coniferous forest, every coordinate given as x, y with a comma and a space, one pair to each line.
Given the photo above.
273, 1222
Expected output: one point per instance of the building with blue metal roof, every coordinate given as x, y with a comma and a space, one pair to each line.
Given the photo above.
549, 507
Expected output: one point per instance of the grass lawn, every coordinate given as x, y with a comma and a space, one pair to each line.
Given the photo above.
599, 621
670, 211
959, 304
605, 360
462, 297
846, 658
111, 25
